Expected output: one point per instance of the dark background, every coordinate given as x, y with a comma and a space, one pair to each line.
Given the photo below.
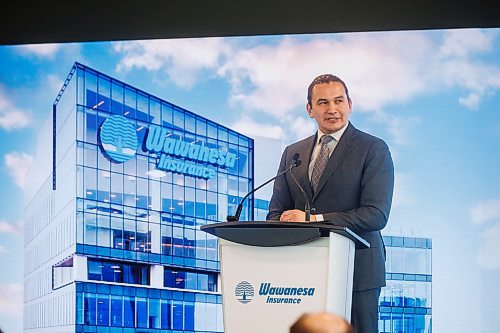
24, 22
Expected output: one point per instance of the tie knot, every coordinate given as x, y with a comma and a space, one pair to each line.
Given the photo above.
325, 139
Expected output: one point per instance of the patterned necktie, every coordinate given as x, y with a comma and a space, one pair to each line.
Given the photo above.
321, 161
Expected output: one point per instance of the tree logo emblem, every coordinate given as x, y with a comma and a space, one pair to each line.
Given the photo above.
118, 138
244, 292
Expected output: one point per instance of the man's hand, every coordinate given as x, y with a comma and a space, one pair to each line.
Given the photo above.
295, 215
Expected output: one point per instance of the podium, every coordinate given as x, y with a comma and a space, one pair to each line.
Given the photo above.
273, 272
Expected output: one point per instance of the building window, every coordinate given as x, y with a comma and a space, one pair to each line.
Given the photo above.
116, 311
90, 309
115, 271
166, 314
192, 280
103, 310
142, 312
62, 273
129, 311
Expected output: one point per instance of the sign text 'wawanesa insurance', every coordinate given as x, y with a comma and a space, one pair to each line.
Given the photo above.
186, 158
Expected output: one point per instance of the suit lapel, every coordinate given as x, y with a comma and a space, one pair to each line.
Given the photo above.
342, 150
302, 171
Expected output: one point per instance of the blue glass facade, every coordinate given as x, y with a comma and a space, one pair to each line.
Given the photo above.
122, 206
116, 308
134, 212
406, 302
139, 261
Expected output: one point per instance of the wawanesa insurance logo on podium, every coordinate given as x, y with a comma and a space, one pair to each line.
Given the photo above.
244, 293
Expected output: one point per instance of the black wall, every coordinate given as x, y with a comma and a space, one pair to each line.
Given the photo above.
77, 21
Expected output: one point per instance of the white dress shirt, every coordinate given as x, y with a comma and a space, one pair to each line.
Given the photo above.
331, 146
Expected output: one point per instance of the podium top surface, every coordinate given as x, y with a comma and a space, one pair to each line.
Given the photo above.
274, 233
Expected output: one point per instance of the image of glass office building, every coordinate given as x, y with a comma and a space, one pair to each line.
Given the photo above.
112, 234
405, 304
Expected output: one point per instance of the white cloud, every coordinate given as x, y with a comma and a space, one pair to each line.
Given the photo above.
462, 43
12, 117
402, 190
296, 128
261, 78
40, 50
2, 249
459, 68
181, 59
8, 228
274, 78
53, 84
471, 101
299, 127
486, 211
488, 254
381, 69
17, 164
476, 78
11, 228
399, 127
11, 299
250, 127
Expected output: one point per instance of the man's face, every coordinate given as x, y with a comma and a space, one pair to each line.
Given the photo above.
329, 106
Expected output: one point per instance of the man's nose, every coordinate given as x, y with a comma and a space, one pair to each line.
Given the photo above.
330, 108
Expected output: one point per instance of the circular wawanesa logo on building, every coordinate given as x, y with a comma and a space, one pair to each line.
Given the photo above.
118, 138
244, 292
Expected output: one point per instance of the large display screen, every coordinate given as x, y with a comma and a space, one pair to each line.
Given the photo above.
433, 96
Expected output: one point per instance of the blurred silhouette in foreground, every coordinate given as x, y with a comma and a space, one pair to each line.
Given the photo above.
321, 322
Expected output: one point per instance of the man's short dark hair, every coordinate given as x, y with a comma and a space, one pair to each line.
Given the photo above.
325, 78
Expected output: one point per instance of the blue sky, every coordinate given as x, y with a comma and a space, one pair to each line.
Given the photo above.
433, 96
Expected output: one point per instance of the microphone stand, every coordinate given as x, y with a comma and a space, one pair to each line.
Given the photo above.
236, 216
307, 208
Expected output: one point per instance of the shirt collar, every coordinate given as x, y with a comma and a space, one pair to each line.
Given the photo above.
337, 135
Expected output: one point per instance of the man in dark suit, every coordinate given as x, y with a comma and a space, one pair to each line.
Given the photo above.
348, 177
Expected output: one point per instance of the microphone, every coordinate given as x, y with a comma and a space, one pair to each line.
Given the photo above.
307, 208
236, 217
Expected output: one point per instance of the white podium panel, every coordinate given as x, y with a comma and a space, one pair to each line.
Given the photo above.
265, 289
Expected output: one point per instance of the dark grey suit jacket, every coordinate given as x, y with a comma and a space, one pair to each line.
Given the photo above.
354, 191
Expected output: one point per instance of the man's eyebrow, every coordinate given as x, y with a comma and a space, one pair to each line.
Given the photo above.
334, 98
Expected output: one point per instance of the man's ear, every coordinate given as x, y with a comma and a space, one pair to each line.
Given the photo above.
350, 105
309, 110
